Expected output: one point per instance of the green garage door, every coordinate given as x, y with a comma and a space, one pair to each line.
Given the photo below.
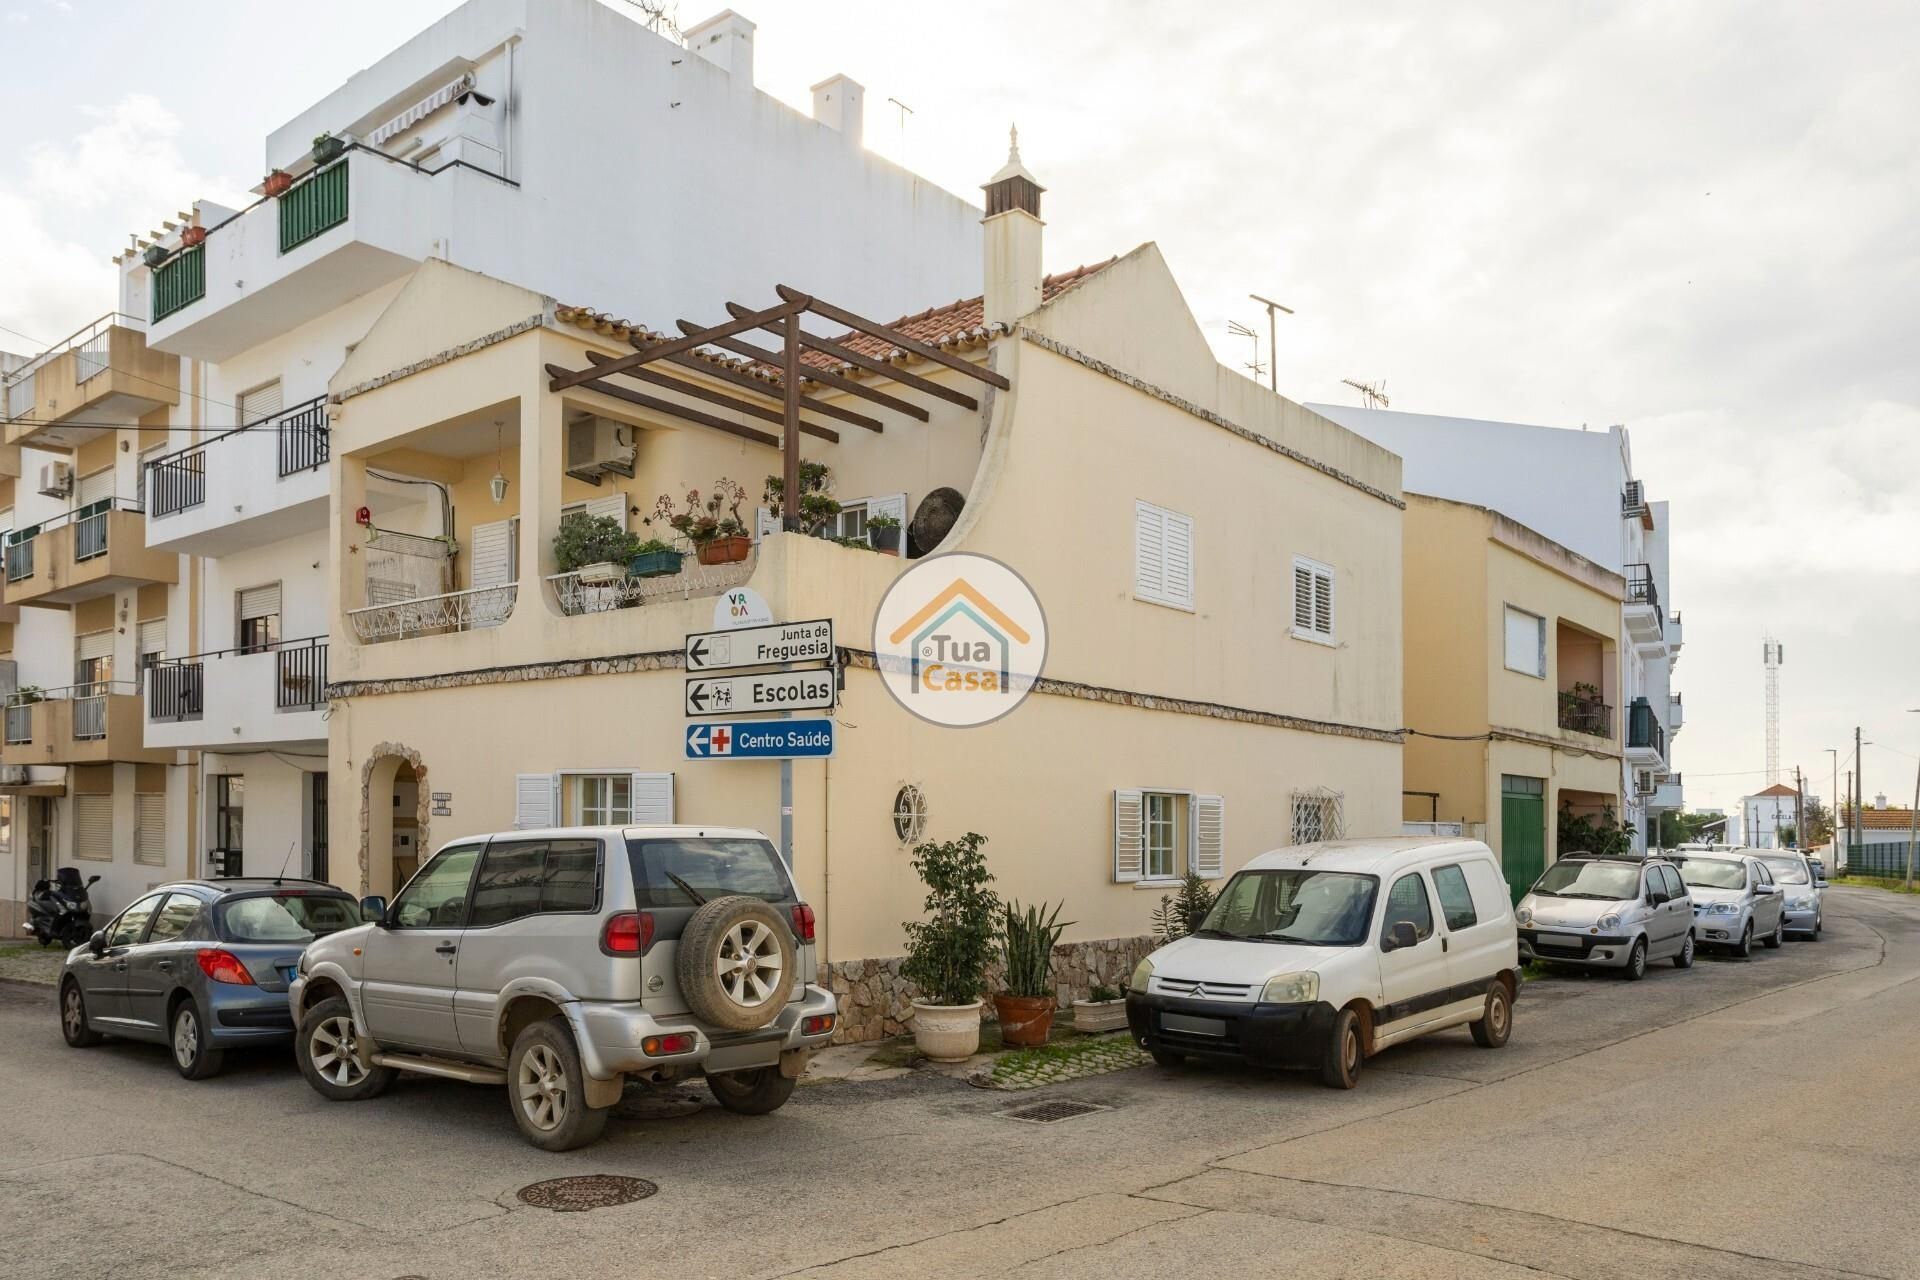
1523, 831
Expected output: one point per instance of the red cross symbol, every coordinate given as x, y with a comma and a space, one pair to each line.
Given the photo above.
722, 740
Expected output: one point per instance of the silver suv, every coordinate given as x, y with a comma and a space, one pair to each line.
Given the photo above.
558, 963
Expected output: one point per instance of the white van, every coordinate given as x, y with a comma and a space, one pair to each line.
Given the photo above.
1322, 954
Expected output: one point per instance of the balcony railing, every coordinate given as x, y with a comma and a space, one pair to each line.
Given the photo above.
577, 595
20, 394
1582, 715
89, 344
90, 530
176, 689
177, 482
90, 710
19, 723
179, 281
314, 205
302, 672
434, 615
20, 554
1641, 589
1644, 731
305, 440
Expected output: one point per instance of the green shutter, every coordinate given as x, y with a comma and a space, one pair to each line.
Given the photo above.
313, 206
180, 280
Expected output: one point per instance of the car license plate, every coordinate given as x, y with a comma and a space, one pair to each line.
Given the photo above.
1193, 1026
286, 972
1559, 941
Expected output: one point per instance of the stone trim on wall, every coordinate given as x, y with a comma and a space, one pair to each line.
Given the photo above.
423, 804
484, 341
876, 1002
1206, 415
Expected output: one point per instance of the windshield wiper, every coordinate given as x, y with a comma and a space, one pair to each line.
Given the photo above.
1288, 937
699, 899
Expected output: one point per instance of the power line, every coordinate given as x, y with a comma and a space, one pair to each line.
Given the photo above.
16, 333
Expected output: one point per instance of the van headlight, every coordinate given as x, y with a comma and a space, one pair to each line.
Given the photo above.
1524, 916
1141, 972
1291, 988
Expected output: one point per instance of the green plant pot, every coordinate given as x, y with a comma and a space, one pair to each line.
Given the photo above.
328, 151
884, 539
654, 564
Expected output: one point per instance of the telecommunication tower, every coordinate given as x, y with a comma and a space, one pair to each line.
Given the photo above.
1770, 657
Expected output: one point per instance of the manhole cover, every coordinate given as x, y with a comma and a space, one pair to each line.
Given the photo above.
594, 1191
1053, 1112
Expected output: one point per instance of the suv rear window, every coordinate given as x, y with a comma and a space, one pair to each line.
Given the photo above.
288, 917
712, 867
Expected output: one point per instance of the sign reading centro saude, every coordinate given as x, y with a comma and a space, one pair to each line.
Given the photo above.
760, 740
960, 639
762, 691
761, 646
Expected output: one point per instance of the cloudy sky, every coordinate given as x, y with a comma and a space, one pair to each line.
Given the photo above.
1700, 220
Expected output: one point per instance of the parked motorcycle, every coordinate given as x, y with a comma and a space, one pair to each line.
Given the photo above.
59, 910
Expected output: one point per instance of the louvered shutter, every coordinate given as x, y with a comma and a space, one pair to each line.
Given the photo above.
150, 829
260, 602
1209, 836
493, 553
652, 799
95, 644
533, 800
1129, 841
1323, 604
93, 828
613, 506
1302, 598
97, 487
1178, 544
153, 638
1149, 552
261, 402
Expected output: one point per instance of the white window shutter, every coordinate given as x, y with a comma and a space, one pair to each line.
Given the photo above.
1178, 544
613, 507
1302, 598
652, 799
1149, 552
893, 504
95, 644
150, 828
260, 602
261, 402
93, 828
493, 545
1209, 836
1129, 841
153, 637
533, 804
94, 488
1323, 604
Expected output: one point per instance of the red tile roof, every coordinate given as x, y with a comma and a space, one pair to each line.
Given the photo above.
1880, 819
1777, 789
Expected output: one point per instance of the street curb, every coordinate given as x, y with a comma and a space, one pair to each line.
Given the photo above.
27, 986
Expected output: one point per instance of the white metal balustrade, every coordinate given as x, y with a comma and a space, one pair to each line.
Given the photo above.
19, 724
434, 615
577, 595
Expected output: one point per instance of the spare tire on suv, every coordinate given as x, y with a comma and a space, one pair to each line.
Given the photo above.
736, 962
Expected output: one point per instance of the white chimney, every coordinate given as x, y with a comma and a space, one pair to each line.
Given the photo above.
840, 102
726, 40
1012, 239
1880, 801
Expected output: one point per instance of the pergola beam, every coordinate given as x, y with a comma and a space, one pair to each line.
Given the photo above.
695, 391
873, 328
661, 351
594, 383
747, 382
828, 347
821, 376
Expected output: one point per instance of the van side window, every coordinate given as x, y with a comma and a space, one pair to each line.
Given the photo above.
1408, 901
1456, 900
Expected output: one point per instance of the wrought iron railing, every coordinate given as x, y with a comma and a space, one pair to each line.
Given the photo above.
179, 281
305, 441
302, 675
577, 595
177, 482
19, 723
313, 205
434, 615
1644, 730
1641, 589
20, 556
90, 532
1583, 715
176, 689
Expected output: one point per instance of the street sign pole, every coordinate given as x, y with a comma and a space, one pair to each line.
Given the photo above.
786, 789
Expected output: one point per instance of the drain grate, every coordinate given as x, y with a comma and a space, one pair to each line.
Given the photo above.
593, 1191
1053, 1112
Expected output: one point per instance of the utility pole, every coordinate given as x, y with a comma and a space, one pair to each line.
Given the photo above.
1913, 816
1859, 789
1799, 811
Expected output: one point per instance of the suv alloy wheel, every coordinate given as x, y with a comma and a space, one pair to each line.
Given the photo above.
332, 1056
547, 1087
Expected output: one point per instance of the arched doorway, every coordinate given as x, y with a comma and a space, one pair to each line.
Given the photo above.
393, 818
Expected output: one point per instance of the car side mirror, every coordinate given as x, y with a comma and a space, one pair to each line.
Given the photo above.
98, 943
1401, 935
1821, 884
373, 909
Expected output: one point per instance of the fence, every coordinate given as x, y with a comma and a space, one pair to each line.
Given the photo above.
304, 440
175, 690
177, 483
1879, 859
302, 668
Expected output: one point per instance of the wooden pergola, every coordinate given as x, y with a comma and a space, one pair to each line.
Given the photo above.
798, 387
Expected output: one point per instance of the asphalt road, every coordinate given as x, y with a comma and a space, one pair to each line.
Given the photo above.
1756, 1119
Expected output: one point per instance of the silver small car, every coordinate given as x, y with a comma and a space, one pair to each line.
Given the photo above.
1802, 882
1614, 913
1735, 900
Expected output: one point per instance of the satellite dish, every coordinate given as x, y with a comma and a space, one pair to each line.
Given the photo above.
933, 520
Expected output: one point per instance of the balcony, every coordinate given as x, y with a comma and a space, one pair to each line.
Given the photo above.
1668, 793
255, 484
1586, 715
1676, 713
258, 698
1674, 634
88, 552
341, 231
435, 615
97, 723
577, 594
102, 373
1646, 738
1646, 625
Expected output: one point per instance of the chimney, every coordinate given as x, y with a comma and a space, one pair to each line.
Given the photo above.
726, 40
840, 102
1012, 239
1880, 801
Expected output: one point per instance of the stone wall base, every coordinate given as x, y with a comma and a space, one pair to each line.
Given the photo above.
876, 1002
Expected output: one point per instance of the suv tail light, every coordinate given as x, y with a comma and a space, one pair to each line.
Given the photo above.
221, 965
803, 922
627, 933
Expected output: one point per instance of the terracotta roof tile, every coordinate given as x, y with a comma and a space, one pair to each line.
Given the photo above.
1777, 789
1881, 819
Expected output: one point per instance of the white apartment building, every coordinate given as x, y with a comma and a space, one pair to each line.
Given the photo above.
1764, 815
559, 144
1578, 488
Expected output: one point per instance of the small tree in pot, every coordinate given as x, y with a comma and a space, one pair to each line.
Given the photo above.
1027, 940
883, 534
947, 952
594, 547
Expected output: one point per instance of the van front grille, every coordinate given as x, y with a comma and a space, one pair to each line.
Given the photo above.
1202, 989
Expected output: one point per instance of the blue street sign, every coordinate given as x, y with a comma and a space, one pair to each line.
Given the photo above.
760, 740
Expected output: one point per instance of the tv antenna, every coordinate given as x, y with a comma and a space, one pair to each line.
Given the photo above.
1273, 341
1239, 330
905, 111
1373, 393
660, 15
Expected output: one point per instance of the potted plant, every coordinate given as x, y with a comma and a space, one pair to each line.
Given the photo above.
278, 182
327, 149
192, 237
883, 534
816, 505
1104, 1009
29, 693
154, 256
716, 538
653, 559
1027, 940
595, 548
947, 952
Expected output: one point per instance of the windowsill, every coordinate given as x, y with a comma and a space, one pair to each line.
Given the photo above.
1180, 606
1314, 637
1160, 882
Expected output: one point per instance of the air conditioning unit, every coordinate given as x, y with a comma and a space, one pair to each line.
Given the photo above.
598, 447
56, 479
1633, 501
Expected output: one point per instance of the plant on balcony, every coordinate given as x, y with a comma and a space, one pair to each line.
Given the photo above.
1592, 833
653, 559
154, 256
277, 183
1582, 711
327, 149
716, 538
28, 693
192, 237
594, 547
883, 534
816, 505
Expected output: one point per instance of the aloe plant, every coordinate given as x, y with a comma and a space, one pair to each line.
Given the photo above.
1027, 940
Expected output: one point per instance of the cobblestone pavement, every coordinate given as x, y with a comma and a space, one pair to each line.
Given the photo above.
29, 962
1053, 1063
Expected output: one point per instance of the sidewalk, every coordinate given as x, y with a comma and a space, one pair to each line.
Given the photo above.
1067, 1055
29, 962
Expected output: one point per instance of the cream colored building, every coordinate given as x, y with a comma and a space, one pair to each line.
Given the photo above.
1511, 682
1198, 707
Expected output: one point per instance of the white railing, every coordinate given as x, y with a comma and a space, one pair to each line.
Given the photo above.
91, 356
19, 723
434, 615
576, 595
20, 396
89, 717
89, 341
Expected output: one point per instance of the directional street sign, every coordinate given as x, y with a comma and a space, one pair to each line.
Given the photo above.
760, 740
761, 646
763, 691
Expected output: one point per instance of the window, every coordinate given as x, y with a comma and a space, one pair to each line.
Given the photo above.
286, 917
93, 659
1312, 600
1161, 835
229, 812
713, 867
132, 924
152, 640
150, 828
909, 814
260, 403
852, 520
258, 612
1760, 872
175, 918
1526, 643
1317, 816
592, 797
1323, 908
1162, 556
436, 898
1676, 888
1407, 902
1456, 900
526, 877
93, 828
603, 800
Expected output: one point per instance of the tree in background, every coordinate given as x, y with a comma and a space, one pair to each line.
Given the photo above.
1677, 829
1819, 824
1584, 833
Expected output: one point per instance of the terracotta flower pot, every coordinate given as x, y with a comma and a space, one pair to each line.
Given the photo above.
726, 550
947, 1032
278, 183
192, 236
1024, 1020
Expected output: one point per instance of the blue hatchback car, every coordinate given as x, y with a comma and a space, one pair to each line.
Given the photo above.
201, 966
